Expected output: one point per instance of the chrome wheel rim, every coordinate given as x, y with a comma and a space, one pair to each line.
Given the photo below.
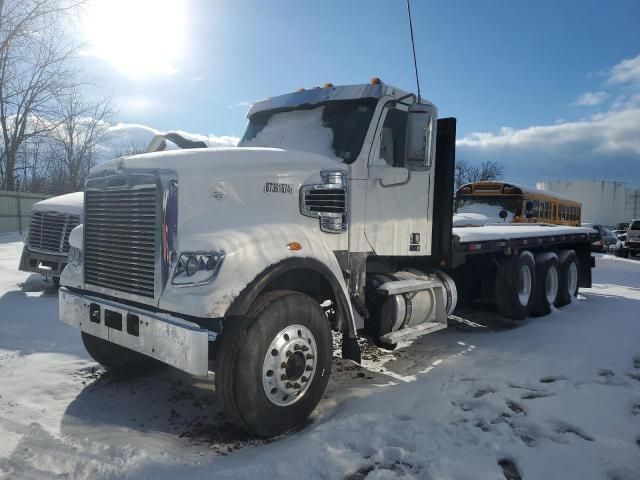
572, 278
289, 365
524, 285
551, 285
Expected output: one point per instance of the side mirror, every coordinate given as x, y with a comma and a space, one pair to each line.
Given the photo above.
420, 134
503, 214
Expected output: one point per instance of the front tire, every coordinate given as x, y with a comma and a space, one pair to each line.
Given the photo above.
548, 280
515, 285
119, 359
274, 363
569, 276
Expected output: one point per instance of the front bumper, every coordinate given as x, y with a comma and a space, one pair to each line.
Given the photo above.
43, 263
632, 244
171, 340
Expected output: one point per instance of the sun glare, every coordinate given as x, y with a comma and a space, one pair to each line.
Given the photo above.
138, 37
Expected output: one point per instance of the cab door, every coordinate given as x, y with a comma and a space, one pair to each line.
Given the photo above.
398, 193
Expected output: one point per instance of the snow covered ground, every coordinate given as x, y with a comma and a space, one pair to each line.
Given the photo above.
555, 398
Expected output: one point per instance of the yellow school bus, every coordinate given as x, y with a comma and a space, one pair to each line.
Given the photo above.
517, 203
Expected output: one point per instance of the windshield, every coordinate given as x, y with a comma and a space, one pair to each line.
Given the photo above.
490, 206
335, 129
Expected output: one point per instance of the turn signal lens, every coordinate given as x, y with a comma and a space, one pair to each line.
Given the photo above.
376, 81
295, 246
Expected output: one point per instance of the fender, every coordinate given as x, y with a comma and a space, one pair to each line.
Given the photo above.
246, 298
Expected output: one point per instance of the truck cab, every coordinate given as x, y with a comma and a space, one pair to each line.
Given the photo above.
46, 245
332, 214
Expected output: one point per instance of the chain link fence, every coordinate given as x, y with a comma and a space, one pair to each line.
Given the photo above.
15, 210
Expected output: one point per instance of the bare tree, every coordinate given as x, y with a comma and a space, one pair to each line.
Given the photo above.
34, 72
84, 125
130, 148
467, 173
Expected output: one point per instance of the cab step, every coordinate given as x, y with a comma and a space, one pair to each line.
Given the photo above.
412, 332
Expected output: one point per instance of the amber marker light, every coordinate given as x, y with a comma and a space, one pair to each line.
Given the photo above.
376, 81
295, 246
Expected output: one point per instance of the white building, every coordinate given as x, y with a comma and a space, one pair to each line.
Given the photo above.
603, 201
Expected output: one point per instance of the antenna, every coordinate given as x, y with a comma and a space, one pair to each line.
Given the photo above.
413, 47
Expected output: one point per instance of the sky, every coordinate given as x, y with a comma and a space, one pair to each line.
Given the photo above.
549, 89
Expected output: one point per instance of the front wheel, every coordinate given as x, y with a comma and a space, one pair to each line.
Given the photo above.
274, 363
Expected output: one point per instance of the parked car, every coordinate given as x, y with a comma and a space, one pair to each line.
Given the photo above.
633, 238
623, 226
597, 236
618, 233
609, 239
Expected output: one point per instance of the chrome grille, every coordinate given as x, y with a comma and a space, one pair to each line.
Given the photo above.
325, 200
49, 231
120, 239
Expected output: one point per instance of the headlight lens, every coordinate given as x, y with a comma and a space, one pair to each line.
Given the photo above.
197, 268
75, 256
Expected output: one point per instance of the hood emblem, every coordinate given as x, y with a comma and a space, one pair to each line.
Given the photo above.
216, 194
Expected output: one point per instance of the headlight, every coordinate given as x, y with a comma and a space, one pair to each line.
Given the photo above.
75, 256
197, 268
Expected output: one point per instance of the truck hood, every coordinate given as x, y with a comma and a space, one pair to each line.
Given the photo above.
71, 203
214, 183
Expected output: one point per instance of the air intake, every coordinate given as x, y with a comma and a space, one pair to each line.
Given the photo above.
327, 201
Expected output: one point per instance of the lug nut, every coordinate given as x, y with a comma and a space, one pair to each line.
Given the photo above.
289, 353
283, 365
309, 368
283, 377
297, 385
304, 379
309, 356
305, 348
289, 385
296, 347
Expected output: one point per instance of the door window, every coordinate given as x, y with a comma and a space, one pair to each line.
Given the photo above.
393, 137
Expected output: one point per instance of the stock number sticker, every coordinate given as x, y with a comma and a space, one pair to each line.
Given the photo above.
271, 187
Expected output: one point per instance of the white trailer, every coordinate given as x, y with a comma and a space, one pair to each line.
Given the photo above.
333, 213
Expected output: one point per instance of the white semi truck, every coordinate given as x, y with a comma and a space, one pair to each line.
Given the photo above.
333, 213
46, 245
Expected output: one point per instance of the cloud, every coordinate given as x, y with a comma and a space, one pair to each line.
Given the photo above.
604, 145
590, 99
125, 136
627, 71
242, 104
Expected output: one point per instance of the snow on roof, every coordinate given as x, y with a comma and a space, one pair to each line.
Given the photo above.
320, 95
511, 231
71, 203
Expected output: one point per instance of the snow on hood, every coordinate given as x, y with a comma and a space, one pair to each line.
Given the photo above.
470, 220
490, 212
70, 203
224, 162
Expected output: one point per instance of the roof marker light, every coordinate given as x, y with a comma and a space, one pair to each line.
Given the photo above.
376, 81
328, 85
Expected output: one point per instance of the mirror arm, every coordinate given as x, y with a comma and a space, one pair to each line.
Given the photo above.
389, 185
